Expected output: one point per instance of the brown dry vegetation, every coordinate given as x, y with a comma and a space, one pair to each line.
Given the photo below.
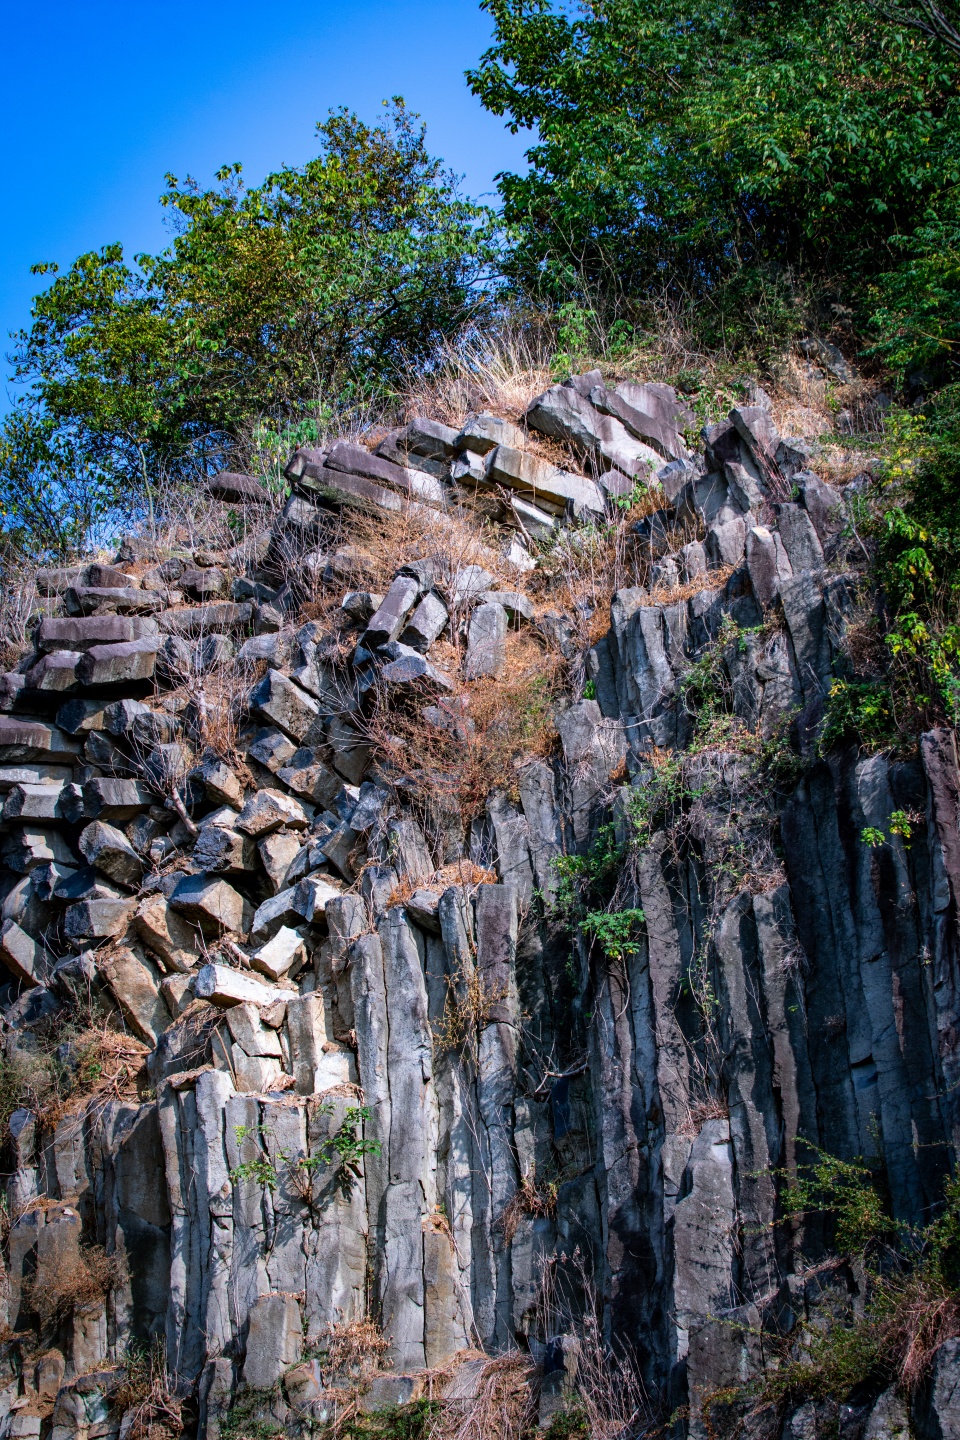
64, 1283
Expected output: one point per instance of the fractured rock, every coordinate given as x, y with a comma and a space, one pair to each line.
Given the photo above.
211, 904
108, 849
268, 810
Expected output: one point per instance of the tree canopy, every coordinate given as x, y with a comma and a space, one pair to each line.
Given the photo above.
328, 277
678, 141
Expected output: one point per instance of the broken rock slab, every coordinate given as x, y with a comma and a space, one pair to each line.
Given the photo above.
284, 954
268, 810
119, 664
212, 904
285, 705
136, 988
224, 986
486, 641
21, 955
108, 850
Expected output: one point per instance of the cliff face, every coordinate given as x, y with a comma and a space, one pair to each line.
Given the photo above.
359, 1060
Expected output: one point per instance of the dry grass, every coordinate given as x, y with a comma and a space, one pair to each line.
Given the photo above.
501, 1407
497, 371
492, 724
468, 1008
66, 1283
351, 1350
462, 873
529, 1199
146, 1398
607, 1392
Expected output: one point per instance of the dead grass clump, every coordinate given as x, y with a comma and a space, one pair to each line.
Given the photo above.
673, 595
146, 1395
350, 1350
468, 1008
499, 371
462, 873
65, 1282
606, 1391
529, 1199
500, 1408
473, 740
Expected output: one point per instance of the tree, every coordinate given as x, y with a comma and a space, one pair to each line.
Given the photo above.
679, 141
326, 278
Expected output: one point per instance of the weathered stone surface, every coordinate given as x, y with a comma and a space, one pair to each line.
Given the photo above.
166, 933
483, 433
108, 799
426, 623
268, 810
119, 664
274, 1340
224, 986
82, 633
104, 600
218, 618
284, 953
545, 484
486, 641
53, 673
21, 955
22, 738
767, 563
34, 802
643, 425
310, 777
221, 850
408, 667
385, 625
355, 460
211, 904
108, 849
284, 704
564, 413
799, 538
272, 749
238, 489
97, 919
277, 853
136, 987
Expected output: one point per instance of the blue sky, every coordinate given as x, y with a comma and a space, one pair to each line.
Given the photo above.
100, 98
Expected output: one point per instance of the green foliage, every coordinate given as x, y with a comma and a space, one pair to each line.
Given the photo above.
617, 932
271, 305
346, 1148
873, 837
395, 1422
844, 1190
710, 143
912, 1299
858, 710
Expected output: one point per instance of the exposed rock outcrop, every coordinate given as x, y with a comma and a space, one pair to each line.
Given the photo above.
371, 1070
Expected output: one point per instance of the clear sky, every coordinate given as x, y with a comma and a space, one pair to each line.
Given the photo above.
100, 98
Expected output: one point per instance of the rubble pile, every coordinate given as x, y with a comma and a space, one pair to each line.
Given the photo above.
357, 1054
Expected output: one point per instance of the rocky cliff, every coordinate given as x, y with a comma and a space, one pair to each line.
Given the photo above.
435, 927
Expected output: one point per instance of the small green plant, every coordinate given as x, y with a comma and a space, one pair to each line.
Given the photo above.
617, 933
590, 690
860, 711
348, 1146
345, 1149
873, 837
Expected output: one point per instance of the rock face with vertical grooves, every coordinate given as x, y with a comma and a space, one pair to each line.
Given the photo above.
357, 1059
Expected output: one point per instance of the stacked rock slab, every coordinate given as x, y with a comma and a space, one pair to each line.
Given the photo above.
272, 931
